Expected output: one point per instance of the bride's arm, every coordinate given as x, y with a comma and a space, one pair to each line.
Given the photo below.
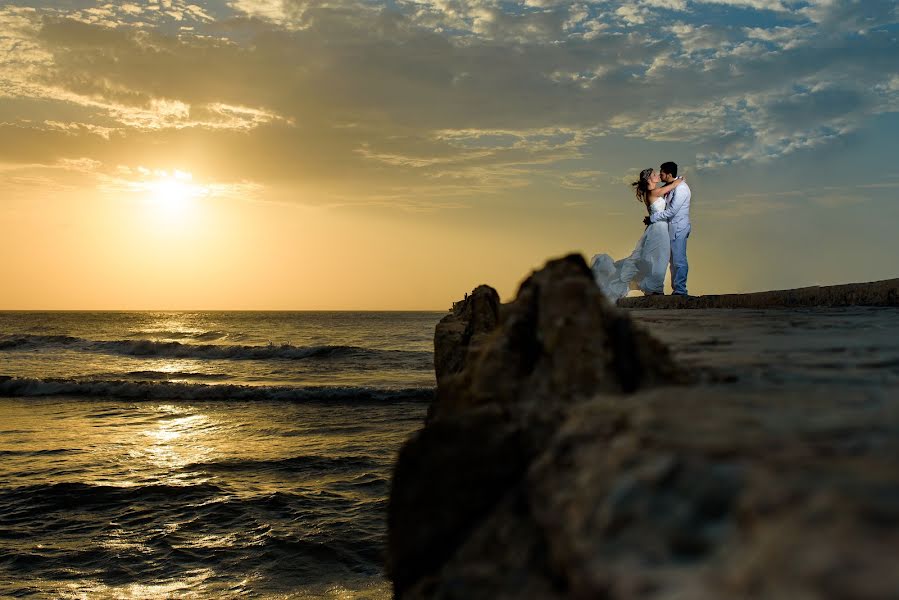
674, 207
666, 188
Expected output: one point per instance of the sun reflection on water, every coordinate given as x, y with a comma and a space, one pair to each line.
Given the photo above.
201, 499
177, 440
178, 588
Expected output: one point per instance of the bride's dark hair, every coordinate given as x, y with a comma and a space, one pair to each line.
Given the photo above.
641, 186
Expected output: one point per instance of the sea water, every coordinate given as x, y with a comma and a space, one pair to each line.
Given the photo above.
231, 454
213, 454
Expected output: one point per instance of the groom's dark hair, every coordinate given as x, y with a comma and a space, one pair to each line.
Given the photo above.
670, 168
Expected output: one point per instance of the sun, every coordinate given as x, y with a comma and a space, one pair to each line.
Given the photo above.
175, 193
171, 201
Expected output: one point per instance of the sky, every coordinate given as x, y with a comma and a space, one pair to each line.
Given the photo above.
378, 155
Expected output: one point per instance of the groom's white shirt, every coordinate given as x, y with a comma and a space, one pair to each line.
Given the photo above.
677, 211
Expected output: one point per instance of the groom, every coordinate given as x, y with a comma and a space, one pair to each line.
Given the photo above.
677, 213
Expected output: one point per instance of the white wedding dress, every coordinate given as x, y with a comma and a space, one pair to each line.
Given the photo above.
644, 269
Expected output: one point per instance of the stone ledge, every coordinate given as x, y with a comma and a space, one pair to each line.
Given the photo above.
876, 293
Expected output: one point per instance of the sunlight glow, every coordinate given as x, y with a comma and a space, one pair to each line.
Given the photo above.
172, 201
173, 193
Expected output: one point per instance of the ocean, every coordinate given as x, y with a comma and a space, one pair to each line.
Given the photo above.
248, 454
203, 454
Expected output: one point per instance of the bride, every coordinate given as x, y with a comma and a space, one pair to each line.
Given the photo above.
645, 268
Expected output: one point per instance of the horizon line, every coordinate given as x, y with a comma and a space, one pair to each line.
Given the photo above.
125, 310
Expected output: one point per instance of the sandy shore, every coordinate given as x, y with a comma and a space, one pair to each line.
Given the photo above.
876, 293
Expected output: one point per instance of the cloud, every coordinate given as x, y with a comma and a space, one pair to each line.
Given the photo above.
632, 14
769, 5
429, 96
587, 180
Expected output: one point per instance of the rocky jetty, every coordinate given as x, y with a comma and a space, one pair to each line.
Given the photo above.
567, 456
876, 293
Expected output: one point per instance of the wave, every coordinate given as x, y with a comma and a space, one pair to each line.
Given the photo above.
71, 494
206, 351
293, 464
29, 342
179, 530
163, 390
47, 452
203, 336
168, 375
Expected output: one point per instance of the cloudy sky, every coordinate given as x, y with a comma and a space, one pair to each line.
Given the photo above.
369, 154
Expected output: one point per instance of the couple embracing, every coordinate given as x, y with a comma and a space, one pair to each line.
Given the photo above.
664, 241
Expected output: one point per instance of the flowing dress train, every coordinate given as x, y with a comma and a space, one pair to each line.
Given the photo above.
644, 269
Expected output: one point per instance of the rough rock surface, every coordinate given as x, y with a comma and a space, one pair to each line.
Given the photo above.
877, 293
470, 319
524, 484
505, 375
558, 340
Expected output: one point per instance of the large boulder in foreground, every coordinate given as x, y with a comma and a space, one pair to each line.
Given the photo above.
695, 496
525, 484
560, 339
505, 375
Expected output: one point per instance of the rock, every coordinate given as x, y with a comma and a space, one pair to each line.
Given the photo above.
504, 375
559, 461
470, 319
877, 293
643, 500
447, 478
559, 340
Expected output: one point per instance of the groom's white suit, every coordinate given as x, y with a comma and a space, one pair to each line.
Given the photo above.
677, 213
